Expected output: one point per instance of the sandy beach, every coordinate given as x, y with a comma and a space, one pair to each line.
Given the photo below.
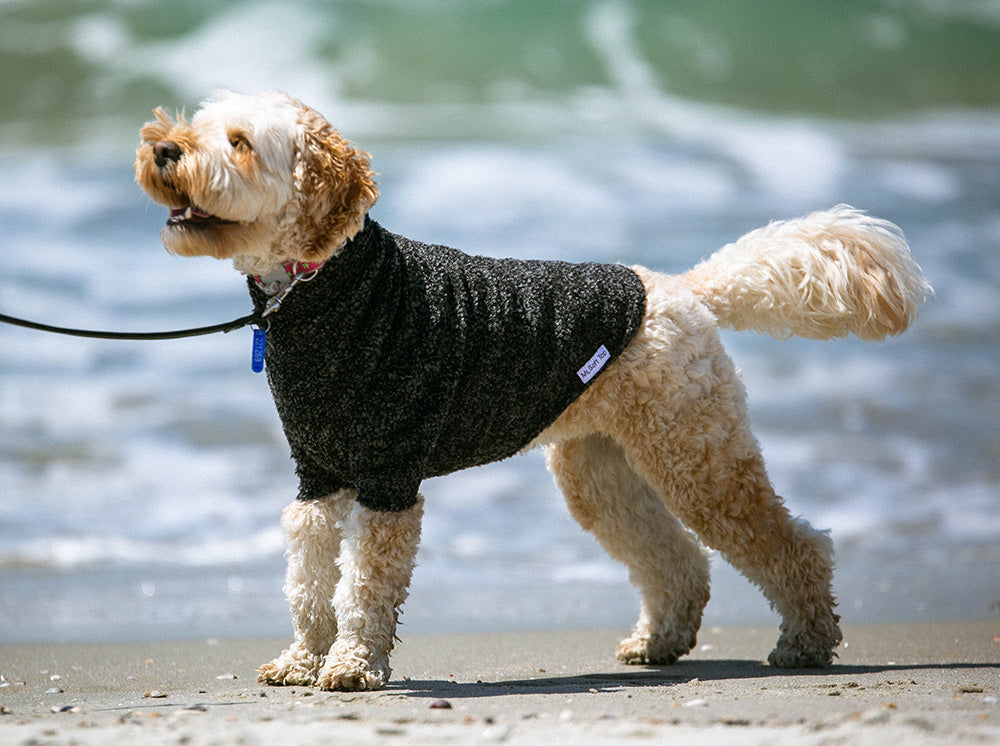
926, 683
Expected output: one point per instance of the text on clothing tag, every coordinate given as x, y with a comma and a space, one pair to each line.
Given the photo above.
594, 365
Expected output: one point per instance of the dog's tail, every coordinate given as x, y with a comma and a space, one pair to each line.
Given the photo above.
821, 276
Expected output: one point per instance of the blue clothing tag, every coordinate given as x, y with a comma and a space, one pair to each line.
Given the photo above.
259, 343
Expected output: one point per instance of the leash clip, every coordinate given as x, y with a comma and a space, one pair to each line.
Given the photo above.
275, 302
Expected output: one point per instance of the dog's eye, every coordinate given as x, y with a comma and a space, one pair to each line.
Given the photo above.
239, 141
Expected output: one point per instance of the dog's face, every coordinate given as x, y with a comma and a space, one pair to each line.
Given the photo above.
262, 179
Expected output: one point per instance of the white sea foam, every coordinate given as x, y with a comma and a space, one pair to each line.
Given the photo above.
65, 553
283, 37
600, 571
790, 157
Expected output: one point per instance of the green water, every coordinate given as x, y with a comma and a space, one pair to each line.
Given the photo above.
71, 69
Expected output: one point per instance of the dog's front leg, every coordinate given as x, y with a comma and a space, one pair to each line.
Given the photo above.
377, 554
312, 539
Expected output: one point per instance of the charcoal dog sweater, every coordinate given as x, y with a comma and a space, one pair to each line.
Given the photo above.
401, 361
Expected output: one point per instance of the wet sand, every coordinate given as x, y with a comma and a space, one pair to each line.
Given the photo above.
927, 683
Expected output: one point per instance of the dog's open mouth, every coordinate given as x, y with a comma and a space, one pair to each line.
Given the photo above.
194, 217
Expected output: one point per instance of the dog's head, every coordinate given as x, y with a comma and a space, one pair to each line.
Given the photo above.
261, 179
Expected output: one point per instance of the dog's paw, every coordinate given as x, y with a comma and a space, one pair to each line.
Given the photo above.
786, 655
353, 674
657, 649
294, 667
807, 647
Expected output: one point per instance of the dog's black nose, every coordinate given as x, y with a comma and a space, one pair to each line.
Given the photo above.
164, 151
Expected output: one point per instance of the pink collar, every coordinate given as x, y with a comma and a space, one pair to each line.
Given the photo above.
297, 268
276, 280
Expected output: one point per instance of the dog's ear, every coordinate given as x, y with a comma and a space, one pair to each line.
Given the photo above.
334, 189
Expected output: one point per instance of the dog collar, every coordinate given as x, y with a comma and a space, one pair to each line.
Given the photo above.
290, 275
284, 276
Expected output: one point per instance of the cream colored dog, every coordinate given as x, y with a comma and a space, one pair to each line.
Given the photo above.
659, 445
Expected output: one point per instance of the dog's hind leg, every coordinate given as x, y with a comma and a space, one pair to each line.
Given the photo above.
312, 539
665, 562
707, 467
376, 561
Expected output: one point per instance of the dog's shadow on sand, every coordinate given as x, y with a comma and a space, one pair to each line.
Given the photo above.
649, 677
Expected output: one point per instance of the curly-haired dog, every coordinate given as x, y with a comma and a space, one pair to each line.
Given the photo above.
397, 361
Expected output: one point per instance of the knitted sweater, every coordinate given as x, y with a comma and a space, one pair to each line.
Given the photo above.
401, 361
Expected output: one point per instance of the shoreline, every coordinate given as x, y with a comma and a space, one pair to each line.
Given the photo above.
926, 683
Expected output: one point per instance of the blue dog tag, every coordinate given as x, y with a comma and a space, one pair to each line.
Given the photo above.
259, 343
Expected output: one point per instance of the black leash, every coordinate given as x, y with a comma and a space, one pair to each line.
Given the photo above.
229, 326
255, 319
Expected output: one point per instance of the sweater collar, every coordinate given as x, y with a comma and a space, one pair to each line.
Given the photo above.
341, 275
282, 277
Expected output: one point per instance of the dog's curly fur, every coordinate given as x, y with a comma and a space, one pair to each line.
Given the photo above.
655, 456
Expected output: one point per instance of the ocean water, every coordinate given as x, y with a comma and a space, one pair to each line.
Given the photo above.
141, 482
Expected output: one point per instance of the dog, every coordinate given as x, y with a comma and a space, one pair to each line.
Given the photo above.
391, 361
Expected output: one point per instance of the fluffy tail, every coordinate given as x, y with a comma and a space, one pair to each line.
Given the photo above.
821, 276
